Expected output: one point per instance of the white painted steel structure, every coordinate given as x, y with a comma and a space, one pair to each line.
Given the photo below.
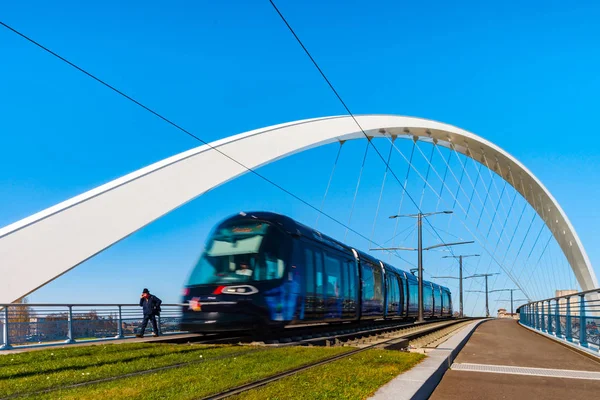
39, 248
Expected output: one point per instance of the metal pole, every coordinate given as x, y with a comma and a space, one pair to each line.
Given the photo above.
6, 345
582, 322
70, 325
543, 318
511, 303
569, 333
557, 319
487, 309
420, 265
549, 316
461, 286
120, 322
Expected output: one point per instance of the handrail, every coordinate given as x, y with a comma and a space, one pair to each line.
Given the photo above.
565, 296
44, 324
571, 318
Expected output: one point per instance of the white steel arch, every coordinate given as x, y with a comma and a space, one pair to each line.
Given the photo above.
43, 246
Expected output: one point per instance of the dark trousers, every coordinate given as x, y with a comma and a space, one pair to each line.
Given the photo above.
151, 317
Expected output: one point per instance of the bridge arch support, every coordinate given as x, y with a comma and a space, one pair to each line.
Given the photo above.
45, 245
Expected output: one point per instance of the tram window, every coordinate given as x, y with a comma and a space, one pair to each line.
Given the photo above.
243, 252
392, 291
378, 295
413, 288
319, 270
401, 294
351, 282
446, 301
309, 271
368, 288
333, 271
427, 297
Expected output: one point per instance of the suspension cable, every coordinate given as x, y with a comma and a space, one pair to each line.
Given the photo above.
485, 239
382, 187
362, 167
482, 243
337, 157
426, 174
437, 206
412, 152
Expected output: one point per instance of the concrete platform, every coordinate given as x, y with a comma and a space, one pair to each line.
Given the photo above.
497, 346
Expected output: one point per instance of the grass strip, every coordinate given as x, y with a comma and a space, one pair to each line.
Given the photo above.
355, 377
55, 362
200, 380
52, 353
68, 376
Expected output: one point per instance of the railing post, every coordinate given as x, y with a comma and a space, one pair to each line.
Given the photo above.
532, 315
582, 322
6, 345
120, 324
569, 332
550, 317
70, 326
543, 320
537, 316
557, 328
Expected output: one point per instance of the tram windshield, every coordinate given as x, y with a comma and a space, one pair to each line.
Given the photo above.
241, 252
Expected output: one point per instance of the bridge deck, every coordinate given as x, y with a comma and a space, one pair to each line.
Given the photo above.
506, 344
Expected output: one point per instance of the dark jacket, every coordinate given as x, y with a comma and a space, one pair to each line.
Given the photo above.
151, 305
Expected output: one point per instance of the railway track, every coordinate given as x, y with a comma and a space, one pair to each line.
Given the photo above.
309, 334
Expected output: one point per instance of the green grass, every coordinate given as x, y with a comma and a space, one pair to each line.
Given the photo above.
53, 353
220, 368
356, 377
200, 379
33, 371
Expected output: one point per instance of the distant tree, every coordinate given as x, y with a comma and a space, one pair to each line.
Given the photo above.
18, 321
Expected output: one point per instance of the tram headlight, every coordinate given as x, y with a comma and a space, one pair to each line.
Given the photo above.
242, 289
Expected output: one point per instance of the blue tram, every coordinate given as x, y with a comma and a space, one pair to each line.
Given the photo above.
262, 270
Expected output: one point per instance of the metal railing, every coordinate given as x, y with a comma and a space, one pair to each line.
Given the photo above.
574, 318
31, 325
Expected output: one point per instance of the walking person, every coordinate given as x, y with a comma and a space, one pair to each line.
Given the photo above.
151, 306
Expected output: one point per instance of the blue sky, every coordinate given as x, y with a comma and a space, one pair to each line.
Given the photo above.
523, 76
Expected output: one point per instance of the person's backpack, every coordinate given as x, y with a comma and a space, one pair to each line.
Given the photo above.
157, 308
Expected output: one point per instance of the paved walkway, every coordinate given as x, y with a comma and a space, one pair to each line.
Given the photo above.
503, 360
